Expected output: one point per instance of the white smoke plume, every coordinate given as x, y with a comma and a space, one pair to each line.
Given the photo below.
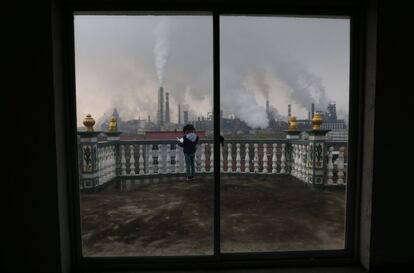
161, 48
243, 104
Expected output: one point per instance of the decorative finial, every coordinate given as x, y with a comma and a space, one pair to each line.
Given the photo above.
292, 125
317, 121
113, 126
89, 122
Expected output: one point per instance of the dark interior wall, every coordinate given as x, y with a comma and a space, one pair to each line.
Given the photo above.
392, 201
32, 238
31, 209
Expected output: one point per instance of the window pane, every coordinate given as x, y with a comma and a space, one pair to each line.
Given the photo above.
142, 78
283, 187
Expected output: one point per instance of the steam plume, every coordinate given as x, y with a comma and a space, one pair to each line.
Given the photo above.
161, 48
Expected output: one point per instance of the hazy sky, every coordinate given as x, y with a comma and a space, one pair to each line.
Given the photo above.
122, 60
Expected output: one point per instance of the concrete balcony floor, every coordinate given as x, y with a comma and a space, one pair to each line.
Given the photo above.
171, 216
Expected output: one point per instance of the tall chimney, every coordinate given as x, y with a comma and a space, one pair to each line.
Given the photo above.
289, 110
267, 109
167, 108
179, 114
160, 112
313, 110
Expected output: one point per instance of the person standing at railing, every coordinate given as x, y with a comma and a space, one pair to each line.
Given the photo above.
189, 142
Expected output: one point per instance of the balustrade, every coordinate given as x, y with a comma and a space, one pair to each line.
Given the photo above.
152, 157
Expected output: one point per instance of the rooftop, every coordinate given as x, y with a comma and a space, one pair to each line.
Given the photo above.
166, 215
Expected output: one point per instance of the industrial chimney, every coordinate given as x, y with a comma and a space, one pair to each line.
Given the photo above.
179, 114
289, 110
160, 111
313, 110
167, 108
267, 109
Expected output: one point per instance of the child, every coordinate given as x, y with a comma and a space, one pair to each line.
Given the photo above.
189, 142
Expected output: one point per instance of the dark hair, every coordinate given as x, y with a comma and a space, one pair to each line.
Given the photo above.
188, 127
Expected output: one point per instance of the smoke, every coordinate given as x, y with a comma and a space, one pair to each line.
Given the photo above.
245, 107
161, 48
259, 79
305, 87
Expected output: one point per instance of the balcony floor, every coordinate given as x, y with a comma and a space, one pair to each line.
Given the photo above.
171, 216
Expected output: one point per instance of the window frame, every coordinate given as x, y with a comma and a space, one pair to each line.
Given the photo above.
267, 8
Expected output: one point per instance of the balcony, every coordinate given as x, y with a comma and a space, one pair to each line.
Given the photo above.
276, 195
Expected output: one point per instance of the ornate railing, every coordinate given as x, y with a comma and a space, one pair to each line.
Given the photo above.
313, 161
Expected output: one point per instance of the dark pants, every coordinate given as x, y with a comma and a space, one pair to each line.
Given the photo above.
189, 162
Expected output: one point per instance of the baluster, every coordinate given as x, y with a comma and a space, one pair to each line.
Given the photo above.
274, 159
150, 160
132, 161
308, 163
303, 163
256, 158
100, 166
238, 158
265, 166
211, 157
160, 159
330, 167
203, 158
111, 161
229, 159
301, 159
247, 159
283, 160
123, 160
168, 160
177, 159
141, 161
221, 159
295, 161
341, 166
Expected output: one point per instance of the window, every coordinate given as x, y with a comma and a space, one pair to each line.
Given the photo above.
280, 187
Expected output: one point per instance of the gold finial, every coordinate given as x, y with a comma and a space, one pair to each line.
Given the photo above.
89, 122
113, 126
292, 125
317, 121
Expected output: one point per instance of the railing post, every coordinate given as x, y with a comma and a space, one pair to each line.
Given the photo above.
203, 157
274, 158
131, 160
265, 166
317, 142
341, 166
330, 167
283, 160
114, 137
256, 158
141, 161
238, 158
229, 159
90, 162
247, 159
168, 159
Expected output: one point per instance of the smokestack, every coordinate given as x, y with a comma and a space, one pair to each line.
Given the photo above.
185, 117
267, 109
160, 112
289, 110
179, 114
313, 110
167, 108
